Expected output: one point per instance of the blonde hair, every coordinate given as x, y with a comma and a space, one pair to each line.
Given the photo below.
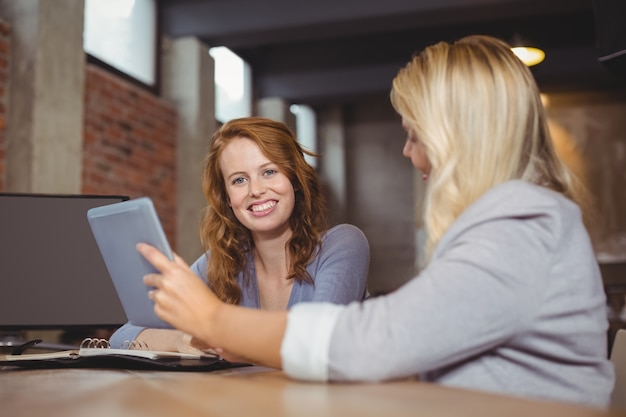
221, 232
477, 110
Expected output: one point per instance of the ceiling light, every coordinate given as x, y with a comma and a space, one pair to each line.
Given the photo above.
526, 51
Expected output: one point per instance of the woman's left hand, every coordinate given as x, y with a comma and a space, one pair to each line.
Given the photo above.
180, 297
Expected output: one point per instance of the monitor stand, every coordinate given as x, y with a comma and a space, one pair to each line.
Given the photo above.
12, 339
9, 341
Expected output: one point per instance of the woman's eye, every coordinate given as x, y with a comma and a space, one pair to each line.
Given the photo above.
238, 180
270, 171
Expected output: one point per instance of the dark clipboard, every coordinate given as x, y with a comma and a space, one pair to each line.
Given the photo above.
125, 362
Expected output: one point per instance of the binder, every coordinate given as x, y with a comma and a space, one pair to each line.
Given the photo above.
96, 353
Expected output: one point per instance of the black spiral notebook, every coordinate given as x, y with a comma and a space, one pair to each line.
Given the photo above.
95, 353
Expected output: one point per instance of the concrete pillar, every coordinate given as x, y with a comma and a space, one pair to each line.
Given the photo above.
277, 109
188, 81
333, 163
45, 120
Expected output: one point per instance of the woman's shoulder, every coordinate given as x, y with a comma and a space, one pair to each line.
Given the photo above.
343, 233
543, 213
519, 198
344, 240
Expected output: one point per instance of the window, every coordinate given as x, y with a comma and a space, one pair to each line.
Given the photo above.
122, 34
233, 85
306, 130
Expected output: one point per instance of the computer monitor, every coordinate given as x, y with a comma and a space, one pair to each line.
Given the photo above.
52, 275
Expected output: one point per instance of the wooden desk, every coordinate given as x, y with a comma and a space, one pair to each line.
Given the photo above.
252, 391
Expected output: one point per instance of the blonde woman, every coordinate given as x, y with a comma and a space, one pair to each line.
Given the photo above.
510, 300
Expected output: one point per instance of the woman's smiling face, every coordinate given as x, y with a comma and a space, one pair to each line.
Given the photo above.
259, 193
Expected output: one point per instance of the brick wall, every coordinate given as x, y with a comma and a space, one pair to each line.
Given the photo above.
5, 32
129, 139
129, 144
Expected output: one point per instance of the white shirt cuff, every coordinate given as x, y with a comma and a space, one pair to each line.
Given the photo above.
305, 346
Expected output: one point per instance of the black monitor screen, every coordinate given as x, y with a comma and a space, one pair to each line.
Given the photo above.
51, 272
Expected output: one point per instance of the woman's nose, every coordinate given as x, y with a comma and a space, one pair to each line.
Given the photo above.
256, 188
406, 152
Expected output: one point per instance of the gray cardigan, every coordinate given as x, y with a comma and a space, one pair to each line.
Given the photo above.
512, 302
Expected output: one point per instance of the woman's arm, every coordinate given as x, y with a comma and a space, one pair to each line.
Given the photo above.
183, 300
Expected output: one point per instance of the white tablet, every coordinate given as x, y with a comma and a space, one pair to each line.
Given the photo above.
117, 229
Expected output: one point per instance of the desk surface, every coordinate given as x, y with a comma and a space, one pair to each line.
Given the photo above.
252, 391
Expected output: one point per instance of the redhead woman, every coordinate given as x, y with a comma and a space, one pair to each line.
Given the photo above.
264, 230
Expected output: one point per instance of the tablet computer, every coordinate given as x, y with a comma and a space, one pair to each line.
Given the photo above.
117, 228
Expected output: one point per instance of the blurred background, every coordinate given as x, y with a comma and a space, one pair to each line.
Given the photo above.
121, 97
